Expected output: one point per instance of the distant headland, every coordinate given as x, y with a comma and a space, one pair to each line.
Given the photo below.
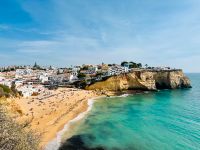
144, 80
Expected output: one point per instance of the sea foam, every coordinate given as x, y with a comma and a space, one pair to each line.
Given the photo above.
56, 142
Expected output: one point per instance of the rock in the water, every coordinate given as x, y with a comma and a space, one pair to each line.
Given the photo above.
77, 143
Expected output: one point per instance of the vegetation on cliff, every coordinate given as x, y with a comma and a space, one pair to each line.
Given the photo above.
131, 64
14, 136
143, 80
5, 91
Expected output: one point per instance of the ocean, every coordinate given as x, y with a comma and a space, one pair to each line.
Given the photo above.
164, 120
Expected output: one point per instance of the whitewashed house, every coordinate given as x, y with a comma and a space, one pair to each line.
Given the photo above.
116, 70
21, 72
7, 82
93, 68
2, 78
18, 83
75, 71
28, 90
72, 77
44, 77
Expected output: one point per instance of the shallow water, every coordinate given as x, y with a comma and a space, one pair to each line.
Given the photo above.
168, 119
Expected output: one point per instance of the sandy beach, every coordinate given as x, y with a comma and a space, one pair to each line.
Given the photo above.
49, 113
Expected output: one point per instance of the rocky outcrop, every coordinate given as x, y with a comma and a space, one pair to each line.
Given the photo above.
143, 80
171, 80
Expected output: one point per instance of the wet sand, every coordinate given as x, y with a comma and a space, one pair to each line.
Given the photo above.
50, 112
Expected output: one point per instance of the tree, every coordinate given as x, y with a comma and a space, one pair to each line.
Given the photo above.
139, 65
124, 63
13, 89
146, 65
7, 92
5, 88
133, 65
81, 75
99, 74
85, 68
35, 65
1, 92
58, 72
50, 68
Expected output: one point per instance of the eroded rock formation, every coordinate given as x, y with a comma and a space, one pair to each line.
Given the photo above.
144, 80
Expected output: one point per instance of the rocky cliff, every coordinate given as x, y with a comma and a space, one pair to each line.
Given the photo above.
143, 80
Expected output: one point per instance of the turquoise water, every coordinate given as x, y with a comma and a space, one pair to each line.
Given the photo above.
165, 120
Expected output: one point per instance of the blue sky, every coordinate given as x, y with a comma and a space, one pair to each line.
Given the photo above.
69, 32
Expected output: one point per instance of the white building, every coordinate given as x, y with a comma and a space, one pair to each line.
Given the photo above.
28, 90
162, 68
6, 82
44, 77
74, 72
72, 77
21, 72
2, 78
18, 83
93, 68
116, 70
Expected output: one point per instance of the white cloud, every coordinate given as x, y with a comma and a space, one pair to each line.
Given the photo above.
36, 46
88, 33
4, 27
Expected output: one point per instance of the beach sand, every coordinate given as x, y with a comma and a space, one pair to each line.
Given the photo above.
49, 113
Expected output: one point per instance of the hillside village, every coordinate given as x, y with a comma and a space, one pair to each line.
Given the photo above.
35, 80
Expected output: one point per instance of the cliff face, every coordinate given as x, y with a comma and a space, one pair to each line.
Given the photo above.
143, 80
171, 80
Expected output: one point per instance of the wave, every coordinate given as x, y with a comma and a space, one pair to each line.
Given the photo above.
55, 143
123, 95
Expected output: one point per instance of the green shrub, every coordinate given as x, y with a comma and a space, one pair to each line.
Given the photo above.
81, 75
5, 88
7, 92
2, 92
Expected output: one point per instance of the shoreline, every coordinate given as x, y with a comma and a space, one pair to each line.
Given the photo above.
52, 116
48, 116
56, 142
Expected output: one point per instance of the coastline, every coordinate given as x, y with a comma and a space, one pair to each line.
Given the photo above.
71, 105
56, 142
52, 116
49, 116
